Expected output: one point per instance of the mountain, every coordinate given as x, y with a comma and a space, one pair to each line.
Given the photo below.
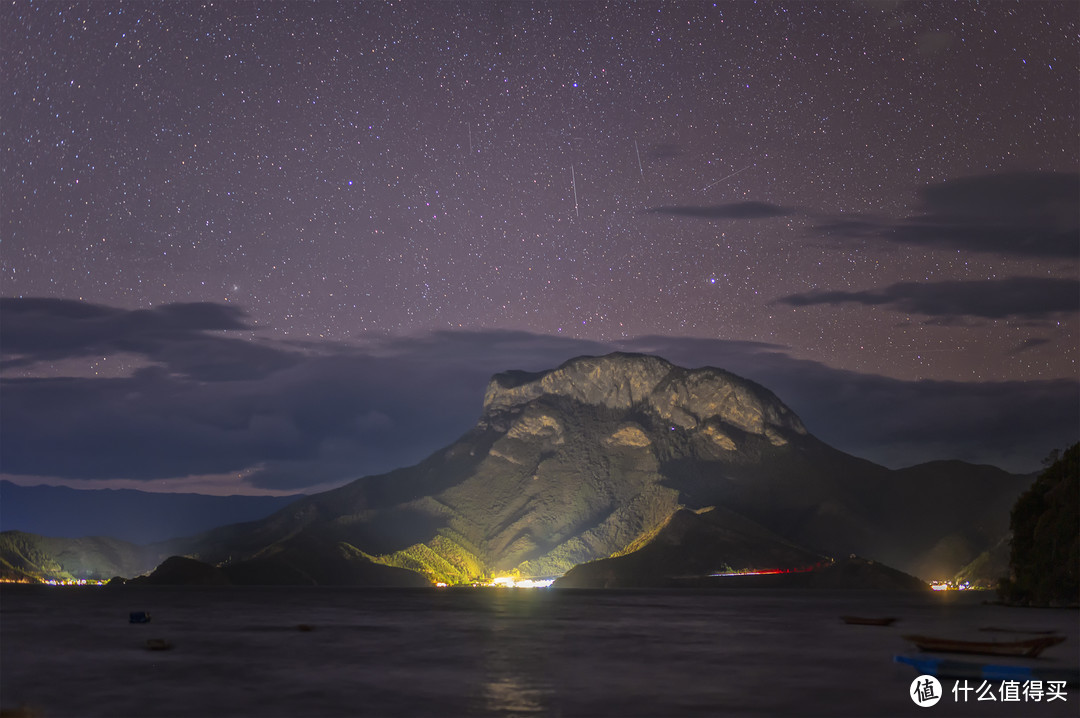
137, 516
605, 455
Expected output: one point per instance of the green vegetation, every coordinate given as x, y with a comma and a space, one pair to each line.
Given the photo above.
441, 560
987, 568
646, 537
1045, 557
25, 560
29, 557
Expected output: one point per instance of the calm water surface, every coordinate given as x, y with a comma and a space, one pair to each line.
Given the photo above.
487, 652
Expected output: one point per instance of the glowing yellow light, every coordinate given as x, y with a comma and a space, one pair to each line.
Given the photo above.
511, 582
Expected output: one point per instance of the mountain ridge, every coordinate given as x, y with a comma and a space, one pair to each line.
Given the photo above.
686, 397
132, 515
591, 458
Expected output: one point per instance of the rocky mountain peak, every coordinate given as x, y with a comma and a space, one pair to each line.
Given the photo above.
688, 398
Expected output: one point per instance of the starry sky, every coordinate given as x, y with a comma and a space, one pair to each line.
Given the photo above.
266, 247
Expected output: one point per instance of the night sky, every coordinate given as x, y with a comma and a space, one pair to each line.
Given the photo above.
274, 246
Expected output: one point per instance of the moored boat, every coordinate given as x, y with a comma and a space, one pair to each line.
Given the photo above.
1025, 631
1028, 648
947, 668
869, 620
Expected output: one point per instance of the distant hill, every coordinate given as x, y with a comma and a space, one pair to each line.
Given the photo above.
595, 458
33, 558
140, 517
342, 567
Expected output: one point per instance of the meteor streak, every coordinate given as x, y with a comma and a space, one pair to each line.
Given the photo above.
728, 177
573, 183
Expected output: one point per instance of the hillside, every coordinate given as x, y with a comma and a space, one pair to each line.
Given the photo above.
690, 546
1044, 562
28, 557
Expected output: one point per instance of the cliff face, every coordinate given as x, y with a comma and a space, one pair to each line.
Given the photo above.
693, 400
579, 464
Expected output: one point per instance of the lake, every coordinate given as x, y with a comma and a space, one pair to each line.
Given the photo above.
318, 651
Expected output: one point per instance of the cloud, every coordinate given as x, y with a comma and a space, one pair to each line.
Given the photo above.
1011, 424
733, 210
317, 413
1026, 214
287, 414
1023, 297
175, 335
52, 328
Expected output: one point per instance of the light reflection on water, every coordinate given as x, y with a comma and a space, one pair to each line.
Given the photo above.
508, 694
498, 652
514, 680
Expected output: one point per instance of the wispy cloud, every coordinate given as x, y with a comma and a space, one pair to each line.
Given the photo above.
1021, 297
732, 210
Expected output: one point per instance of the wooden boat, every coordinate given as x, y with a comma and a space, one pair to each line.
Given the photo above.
869, 620
1030, 632
947, 668
157, 644
1028, 648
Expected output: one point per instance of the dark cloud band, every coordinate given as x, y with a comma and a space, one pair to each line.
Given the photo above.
176, 336
734, 210
292, 416
1022, 297
1025, 214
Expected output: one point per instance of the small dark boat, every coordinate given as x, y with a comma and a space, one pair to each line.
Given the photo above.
1032, 632
140, 617
869, 620
1029, 648
946, 668
157, 644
